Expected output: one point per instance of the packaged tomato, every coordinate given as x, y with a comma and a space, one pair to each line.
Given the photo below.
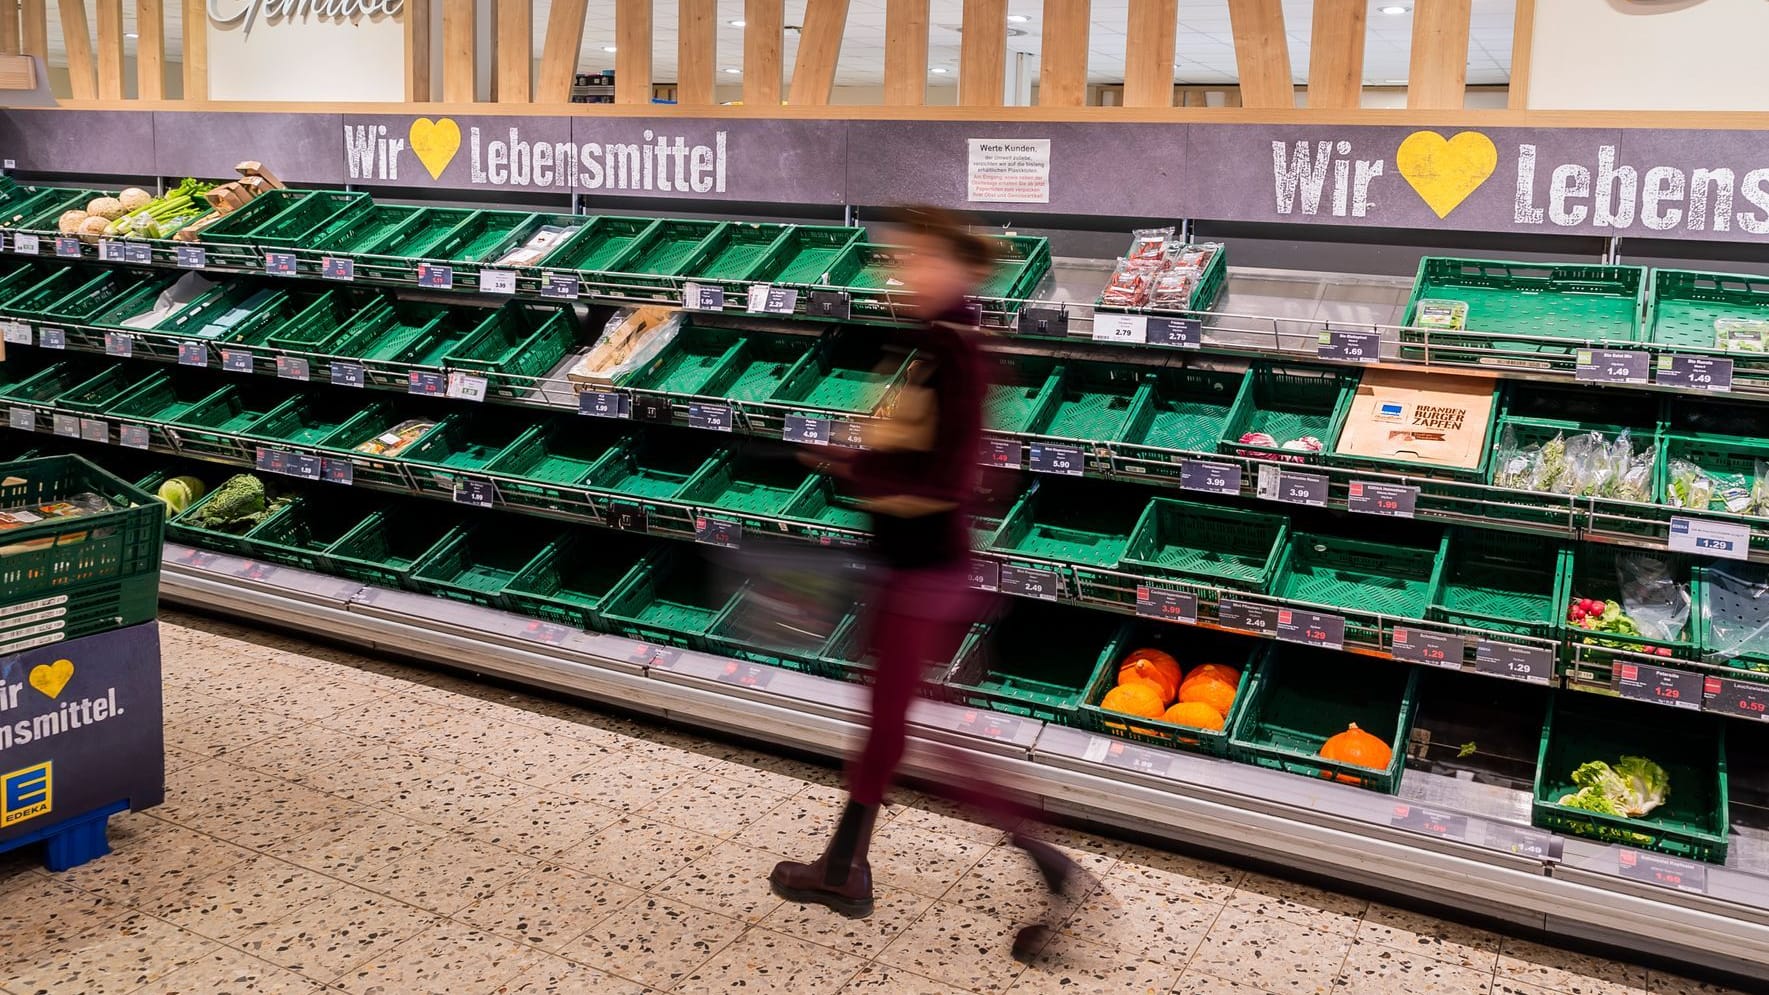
1129, 286
1148, 247
1172, 288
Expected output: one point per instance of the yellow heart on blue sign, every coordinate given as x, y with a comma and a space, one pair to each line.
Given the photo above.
50, 678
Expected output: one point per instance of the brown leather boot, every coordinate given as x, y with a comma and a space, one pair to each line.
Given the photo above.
840, 879
1066, 881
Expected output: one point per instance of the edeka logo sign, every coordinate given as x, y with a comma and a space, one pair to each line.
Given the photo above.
534, 154
246, 13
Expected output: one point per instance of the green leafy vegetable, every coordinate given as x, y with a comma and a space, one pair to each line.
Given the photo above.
236, 506
1631, 789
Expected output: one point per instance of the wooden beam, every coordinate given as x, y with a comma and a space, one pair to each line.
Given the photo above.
820, 48
1336, 54
77, 37
1262, 53
982, 53
632, 51
419, 85
460, 39
34, 30
1062, 79
515, 50
110, 49
1148, 56
697, 51
906, 35
565, 36
1523, 36
1438, 72
9, 32
150, 49
764, 32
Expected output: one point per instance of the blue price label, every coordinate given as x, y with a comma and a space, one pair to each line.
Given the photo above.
192, 256
236, 360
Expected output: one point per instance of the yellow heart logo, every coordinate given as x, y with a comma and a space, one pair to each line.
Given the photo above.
436, 143
1445, 171
50, 678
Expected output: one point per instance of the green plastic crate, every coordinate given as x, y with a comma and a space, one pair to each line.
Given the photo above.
319, 420
301, 533
645, 469
516, 344
1223, 546
734, 251
124, 299
820, 503
106, 564
549, 465
215, 425
839, 374
572, 578
295, 226
1094, 402
1694, 821
670, 598
482, 236
752, 492
557, 228
1021, 263
756, 627
323, 320
1504, 581
98, 392
1191, 647
226, 313
668, 247
359, 231
760, 369
385, 547
1021, 392
1595, 573
284, 310
47, 219
1287, 403
694, 359
474, 563
1373, 578
1187, 411
421, 237
468, 444
21, 273
71, 295
402, 328
1734, 455
51, 382
1558, 300
603, 244
1732, 615
1060, 522
805, 254
1035, 660
1682, 306
236, 227
1300, 697
184, 528
865, 266
21, 203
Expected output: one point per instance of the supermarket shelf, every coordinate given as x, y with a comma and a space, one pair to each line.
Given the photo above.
1467, 853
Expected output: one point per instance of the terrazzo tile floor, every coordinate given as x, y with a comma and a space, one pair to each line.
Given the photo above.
336, 823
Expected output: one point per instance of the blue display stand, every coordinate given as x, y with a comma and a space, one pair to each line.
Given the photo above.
80, 741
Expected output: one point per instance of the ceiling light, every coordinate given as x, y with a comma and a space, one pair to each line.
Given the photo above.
1393, 10
607, 48
1017, 18
939, 70
735, 72
130, 34
737, 23
1395, 82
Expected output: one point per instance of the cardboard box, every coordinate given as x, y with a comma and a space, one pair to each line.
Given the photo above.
1429, 418
252, 167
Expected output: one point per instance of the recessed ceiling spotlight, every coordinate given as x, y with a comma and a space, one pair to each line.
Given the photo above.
737, 23
1017, 18
1393, 10
607, 48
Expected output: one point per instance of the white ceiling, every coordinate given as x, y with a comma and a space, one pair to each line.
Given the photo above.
1204, 50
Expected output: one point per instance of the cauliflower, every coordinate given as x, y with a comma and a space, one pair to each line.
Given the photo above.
70, 221
135, 198
108, 208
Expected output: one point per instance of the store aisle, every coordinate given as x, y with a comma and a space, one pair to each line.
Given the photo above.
338, 823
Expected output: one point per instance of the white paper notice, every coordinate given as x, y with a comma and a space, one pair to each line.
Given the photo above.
1009, 171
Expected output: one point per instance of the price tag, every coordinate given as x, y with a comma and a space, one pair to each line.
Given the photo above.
1744, 699
134, 436
193, 354
1434, 649
198, 558
498, 281
1123, 328
26, 245
805, 430
544, 632
1002, 452
1178, 333
426, 383
1661, 869
1047, 457
52, 338
21, 419
337, 268
434, 277
119, 345
766, 299
271, 460
303, 465
68, 247
280, 263
292, 367
1277, 484
191, 256
1612, 365
1531, 843
717, 532
1712, 373
560, 286
989, 725
338, 471
711, 417
603, 404
628, 516
95, 430
1659, 685
1210, 478
1051, 322
1247, 616
985, 575
1729, 540
110, 250
847, 434
346, 374
1141, 759
835, 305
253, 570
66, 426
1392, 500
1424, 820
701, 297
236, 360
749, 675
1311, 628
1029, 583
15, 333
1166, 605
478, 493
1350, 347
466, 386
139, 253
1517, 661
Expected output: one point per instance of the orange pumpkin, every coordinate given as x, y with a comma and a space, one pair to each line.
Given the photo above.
1136, 698
1221, 671
1152, 664
1357, 748
1195, 714
1209, 690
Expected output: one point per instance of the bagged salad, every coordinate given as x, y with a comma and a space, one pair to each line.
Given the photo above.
1699, 489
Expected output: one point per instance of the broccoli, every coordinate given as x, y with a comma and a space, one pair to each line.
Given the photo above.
1648, 785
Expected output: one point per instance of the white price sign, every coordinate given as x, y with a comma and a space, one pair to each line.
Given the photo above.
16, 332
497, 281
466, 387
1731, 540
1108, 327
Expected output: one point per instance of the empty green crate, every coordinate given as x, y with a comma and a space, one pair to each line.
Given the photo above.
319, 420
359, 231
71, 299
21, 274
1224, 546
160, 399
1694, 821
315, 327
481, 236
794, 635
94, 394
1371, 578
51, 382
1599, 571
1551, 300
572, 578
818, 502
21, 203
1094, 402
864, 266
515, 344
1300, 697
1035, 660
296, 225
638, 467
421, 237
672, 599
690, 363
467, 443
806, 254
1732, 615
1289, 403
124, 300
838, 375
1021, 262
1504, 581
1187, 411
1190, 647
550, 464
385, 547
1073, 524
548, 231
474, 563
284, 309
602, 244
402, 328
236, 227
302, 532
1682, 306
760, 369
735, 251
222, 314
668, 246
748, 491
188, 528
1020, 393
214, 422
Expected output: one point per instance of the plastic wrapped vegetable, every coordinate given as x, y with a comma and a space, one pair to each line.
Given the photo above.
1690, 487
1129, 287
1148, 247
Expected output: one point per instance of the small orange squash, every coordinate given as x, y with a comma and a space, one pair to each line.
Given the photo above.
1221, 671
1209, 690
1153, 665
1136, 698
1357, 748
1195, 714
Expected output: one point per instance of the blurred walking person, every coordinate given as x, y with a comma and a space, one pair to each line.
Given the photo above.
919, 476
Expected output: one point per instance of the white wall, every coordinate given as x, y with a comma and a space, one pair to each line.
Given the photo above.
309, 59
1663, 55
